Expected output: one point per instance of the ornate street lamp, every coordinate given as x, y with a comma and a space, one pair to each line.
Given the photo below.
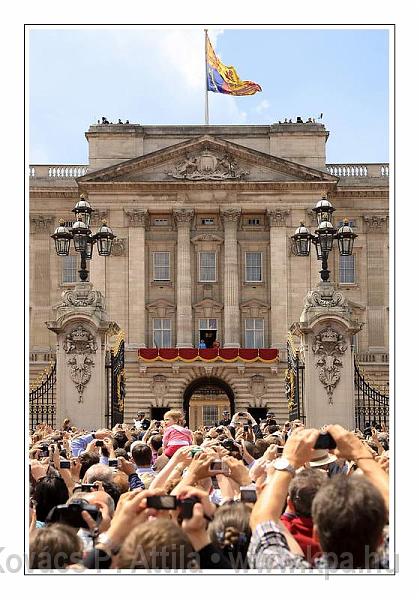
324, 237
82, 237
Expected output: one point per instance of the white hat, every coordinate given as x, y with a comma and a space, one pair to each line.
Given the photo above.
321, 458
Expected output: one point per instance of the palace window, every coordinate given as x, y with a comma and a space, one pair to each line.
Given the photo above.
253, 267
254, 333
70, 269
207, 221
347, 271
254, 221
162, 333
160, 222
161, 266
207, 266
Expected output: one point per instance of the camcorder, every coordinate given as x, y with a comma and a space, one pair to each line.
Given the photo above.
71, 514
171, 503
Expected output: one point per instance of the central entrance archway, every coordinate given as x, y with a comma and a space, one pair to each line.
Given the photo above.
205, 399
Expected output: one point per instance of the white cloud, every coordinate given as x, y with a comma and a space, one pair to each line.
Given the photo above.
262, 106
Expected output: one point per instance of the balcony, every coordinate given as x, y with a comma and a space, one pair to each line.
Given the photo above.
189, 355
359, 170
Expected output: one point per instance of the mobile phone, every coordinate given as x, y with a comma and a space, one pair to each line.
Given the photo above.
64, 464
248, 493
187, 506
113, 462
71, 514
325, 441
87, 487
99, 443
162, 502
246, 428
280, 450
217, 466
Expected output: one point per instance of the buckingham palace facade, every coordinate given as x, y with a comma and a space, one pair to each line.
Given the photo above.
203, 217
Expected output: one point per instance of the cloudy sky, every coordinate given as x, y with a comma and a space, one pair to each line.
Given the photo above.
156, 76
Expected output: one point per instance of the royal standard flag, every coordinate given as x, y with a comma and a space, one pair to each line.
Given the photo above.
225, 80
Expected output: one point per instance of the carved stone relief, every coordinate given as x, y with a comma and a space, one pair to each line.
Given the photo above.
325, 295
160, 388
208, 166
257, 387
79, 344
328, 347
119, 247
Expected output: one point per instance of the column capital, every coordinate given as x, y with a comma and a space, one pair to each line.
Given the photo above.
277, 216
137, 217
375, 222
98, 216
230, 215
42, 223
183, 216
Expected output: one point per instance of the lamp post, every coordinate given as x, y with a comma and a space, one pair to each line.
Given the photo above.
324, 237
82, 237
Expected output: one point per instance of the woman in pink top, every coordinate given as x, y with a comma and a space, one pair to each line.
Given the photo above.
175, 435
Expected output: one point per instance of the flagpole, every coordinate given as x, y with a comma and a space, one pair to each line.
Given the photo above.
206, 109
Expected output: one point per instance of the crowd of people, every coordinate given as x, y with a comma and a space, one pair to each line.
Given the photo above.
237, 495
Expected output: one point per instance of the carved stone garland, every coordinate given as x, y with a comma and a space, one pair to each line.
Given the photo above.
329, 345
79, 344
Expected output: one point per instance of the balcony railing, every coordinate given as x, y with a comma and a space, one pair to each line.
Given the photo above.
268, 355
57, 171
358, 170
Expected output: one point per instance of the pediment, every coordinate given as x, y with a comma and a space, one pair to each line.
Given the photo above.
208, 303
206, 159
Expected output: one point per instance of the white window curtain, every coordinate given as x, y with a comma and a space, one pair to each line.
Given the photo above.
207, 268
161, 269
162, 333
347, 269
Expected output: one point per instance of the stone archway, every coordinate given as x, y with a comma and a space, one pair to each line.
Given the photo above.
204, 400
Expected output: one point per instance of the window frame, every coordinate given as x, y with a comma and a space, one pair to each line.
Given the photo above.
344, 270
254, 330
214, 253
161, 329
168, 266
246, 266
76, 270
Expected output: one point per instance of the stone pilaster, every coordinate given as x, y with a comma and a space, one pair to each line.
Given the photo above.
376, 230
184, 321
137, 220
232, 326
279, 278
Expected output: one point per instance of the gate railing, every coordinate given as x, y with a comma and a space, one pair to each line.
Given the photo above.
42, 401
115, 372
295, 381
371, 405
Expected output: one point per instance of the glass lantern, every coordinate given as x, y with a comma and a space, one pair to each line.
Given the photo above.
301, 241
345, 238
323, 210
80, 236
104, 238
326, 233
62, 237
83, 211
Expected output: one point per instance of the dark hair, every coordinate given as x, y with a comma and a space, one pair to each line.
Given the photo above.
55, 547
121, 452
87, 459
156, 442
303, 488
261, 446
251, 449
112, 490
272, 428
350, 514
230, 531
119, 439
142, 548
142, 455
48, 492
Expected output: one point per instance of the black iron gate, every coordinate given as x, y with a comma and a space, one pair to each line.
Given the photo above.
42, 405
295, 381
371, 405
115, 384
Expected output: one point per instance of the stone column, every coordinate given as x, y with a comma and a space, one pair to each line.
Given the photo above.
136, 278
184, 319
82, 330
279, 279
232, 325
326, 328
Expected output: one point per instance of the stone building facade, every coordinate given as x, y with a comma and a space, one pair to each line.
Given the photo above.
203, 217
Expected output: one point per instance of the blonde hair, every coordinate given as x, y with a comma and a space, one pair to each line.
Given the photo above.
176, 415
